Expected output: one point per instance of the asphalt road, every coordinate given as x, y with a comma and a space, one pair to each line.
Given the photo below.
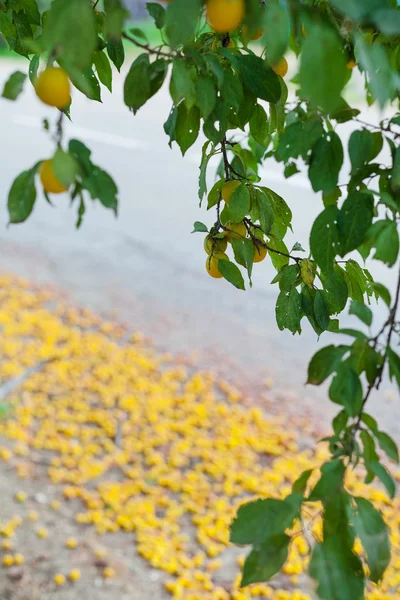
145, 267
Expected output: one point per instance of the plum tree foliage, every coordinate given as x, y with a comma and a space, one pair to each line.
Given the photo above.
233, 90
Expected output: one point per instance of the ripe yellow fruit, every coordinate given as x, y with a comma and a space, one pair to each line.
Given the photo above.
212, 263
256, 35
71, 543
74, 575
53, 87
108, 572
59, 579
351, 64
8, 560
21, 496
228, 188
42, 532
225, 15
55, 504
50, 183
212, 245
281, 68
260, 252
33, 515
19, 559
235, 230
6, 545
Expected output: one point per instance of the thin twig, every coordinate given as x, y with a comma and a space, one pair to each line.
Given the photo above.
149, 49
249, 224
227, 165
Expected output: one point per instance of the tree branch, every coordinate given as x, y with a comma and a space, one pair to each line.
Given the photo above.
149, 49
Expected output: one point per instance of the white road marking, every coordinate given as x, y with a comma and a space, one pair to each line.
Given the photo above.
109, 139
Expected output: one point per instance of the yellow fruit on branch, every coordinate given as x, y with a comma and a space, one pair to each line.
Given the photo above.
53, 87
51, 184
235, 230
281, 68
228, 188
260, 252
225, 15
212, 263
212, 245
255, 35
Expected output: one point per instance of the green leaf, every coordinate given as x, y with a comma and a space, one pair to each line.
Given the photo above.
84, 80
354, 220
116, 52
205, 158
360, 148
259, 126
325, 163
158, 13
369, 421
101, 186
14, 85
373, 533
375, 61
116, 15
215, 194
187, 126
266, 212
337, 570
383, 474
65, 167
239, 204
300, 485
182, 86
330, 483
32, 11
387, 242
346, 389
137, 89
33, 68
198, 226
388, 445
82, 155
288, 276
265, 560
298, 139
257, 521
22, 196
232, 90
103, 69
71, 26
158, 71
278, 260
337, 291
319, 84
361, 311
259, 79
331, 198
231, 273
276, 31
324, 238
206, 94
382, 292
340, 422
181, 21
369, 447
321, 310
324, 363
288, 310
394, 365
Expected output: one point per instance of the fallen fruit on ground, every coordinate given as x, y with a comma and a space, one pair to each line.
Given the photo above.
149, 450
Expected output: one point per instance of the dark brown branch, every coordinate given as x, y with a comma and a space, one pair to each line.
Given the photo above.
249, 224
227, 165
